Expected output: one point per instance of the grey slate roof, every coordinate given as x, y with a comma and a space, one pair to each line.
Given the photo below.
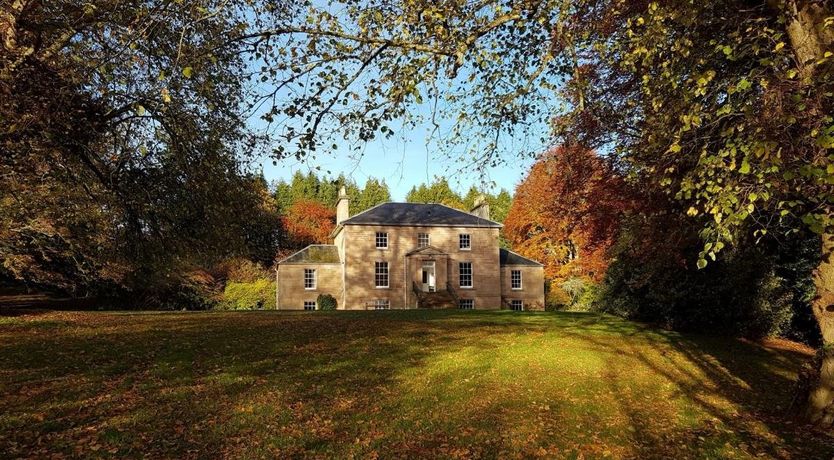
418, 214
510, 258
314, 254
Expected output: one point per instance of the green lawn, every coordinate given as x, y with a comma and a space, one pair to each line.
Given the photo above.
392, 384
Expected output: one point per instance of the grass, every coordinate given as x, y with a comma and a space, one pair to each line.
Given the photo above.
389, 384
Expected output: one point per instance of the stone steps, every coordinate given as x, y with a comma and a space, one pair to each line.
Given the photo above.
437, 300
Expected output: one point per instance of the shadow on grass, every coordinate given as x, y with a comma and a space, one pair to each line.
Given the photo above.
410, 383
743, 389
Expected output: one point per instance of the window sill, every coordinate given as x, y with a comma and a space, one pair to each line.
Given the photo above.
517, 289
382, 287
309, 289
466, 287
382, 249
465, 249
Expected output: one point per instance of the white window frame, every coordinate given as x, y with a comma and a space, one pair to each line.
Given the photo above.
471, 275
313, 278
378, 273
382, 304
309, 303
421, 237
381, 240
517, 303
466, 304
513, 280
465, 237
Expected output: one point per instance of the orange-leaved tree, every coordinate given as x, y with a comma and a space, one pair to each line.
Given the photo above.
566, 212
307, 222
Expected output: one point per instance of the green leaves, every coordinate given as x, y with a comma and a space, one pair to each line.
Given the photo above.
187, 71
745, 167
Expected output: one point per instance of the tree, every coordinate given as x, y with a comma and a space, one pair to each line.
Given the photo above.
566, 213
728, 107
326, 192
375, 192
438, 191
307, 222
120, 131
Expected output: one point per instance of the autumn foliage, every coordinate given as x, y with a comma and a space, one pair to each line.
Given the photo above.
307, 222
566, 213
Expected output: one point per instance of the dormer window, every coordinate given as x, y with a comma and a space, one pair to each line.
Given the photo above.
422, 240
465, 242
381, 240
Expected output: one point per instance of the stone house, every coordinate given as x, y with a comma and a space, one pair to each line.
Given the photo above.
409, 255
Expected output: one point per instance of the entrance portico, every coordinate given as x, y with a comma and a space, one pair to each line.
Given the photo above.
427, 268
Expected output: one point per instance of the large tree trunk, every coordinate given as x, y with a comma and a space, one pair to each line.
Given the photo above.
819, 384
810, 40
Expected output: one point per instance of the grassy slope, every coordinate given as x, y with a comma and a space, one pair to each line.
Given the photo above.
393, 383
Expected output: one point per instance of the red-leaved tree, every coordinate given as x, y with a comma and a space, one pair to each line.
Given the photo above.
307, 222
566, 213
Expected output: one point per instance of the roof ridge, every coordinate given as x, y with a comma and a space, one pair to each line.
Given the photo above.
363, 212
519, 255
469, 213
429, 214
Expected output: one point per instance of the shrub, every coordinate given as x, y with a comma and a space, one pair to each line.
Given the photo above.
747, 292
555, 297
240, 270
169, 290
326, 302
257, 295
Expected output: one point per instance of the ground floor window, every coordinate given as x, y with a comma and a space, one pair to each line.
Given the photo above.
465, 274
381, 274
309, 304
466, 304
517, 305
382, 304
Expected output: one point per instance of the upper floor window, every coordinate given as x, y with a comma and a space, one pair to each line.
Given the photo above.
381, 274
465, 241
309, 278
382, 240
515, 279
422, 240
465, 274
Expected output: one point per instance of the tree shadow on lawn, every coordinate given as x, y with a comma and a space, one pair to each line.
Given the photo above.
424, 384
742, 391
190, 385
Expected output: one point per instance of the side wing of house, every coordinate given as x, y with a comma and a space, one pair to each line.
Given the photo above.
522, 282
303, 276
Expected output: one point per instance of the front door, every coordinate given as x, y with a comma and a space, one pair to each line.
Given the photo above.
428, 277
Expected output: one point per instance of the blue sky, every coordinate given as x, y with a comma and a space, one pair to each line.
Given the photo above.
405, 160
413, 156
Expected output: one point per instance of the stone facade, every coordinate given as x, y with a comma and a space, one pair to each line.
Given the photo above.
353, 268
405, 270
531, 293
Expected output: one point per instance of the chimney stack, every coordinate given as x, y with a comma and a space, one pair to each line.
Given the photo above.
342, 206
481, 208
